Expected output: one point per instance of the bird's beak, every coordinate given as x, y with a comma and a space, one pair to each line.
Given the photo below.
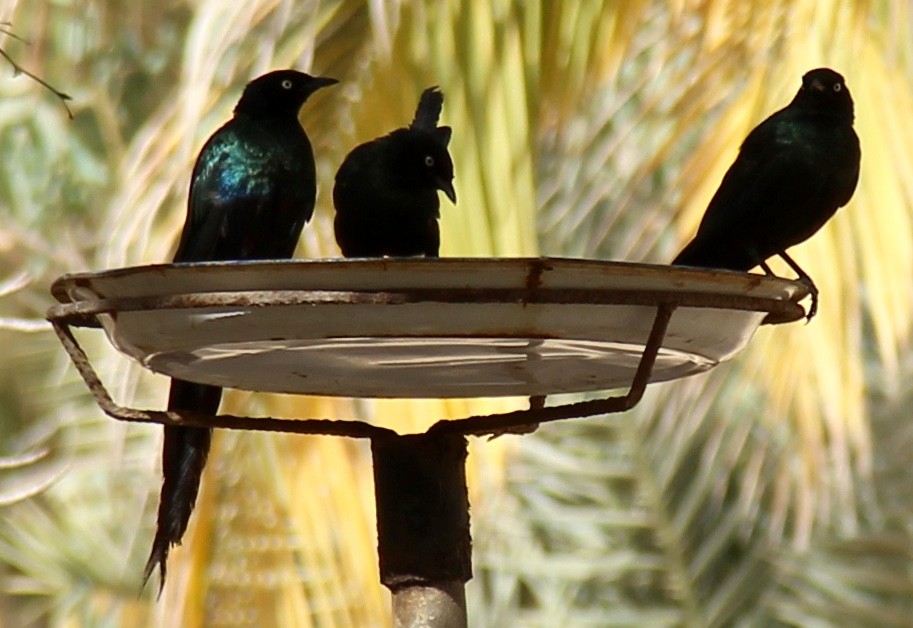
321, 81
818, 86
447, 188
324, 81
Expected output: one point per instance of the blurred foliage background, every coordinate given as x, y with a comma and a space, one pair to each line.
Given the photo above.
773, 491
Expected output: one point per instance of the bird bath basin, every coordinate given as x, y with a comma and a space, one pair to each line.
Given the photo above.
424, 327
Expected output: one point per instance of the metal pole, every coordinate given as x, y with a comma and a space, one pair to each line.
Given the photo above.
424, 544
440, 606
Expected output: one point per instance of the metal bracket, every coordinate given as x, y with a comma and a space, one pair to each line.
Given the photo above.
474, 425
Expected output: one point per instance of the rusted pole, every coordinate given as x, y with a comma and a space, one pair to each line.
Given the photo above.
424, 544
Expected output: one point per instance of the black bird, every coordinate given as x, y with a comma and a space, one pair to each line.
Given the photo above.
386, 190
793, 172
252, 190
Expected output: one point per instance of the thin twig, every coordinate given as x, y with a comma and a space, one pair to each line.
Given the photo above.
18, 69
7, 31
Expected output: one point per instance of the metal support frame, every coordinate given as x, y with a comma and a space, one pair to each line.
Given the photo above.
424, 541
471, 425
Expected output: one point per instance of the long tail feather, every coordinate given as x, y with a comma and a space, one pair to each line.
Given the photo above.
429, 109
183, 459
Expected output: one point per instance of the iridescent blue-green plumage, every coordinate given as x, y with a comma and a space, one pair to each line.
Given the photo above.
386, 191
252, 189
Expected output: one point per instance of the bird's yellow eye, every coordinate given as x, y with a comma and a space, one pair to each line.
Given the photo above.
429, 160
837, 87
287, 84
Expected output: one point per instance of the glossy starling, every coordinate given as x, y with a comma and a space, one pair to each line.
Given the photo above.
251, 191
793, 172
386, 190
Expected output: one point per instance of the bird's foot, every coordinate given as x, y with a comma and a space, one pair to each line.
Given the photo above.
813, 293
804, 278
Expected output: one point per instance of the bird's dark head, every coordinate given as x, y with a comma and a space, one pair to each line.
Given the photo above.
281, 92
824, 90
423, 160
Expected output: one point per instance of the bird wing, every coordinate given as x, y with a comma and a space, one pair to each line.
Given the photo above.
261, 219
771, 191
207, 210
